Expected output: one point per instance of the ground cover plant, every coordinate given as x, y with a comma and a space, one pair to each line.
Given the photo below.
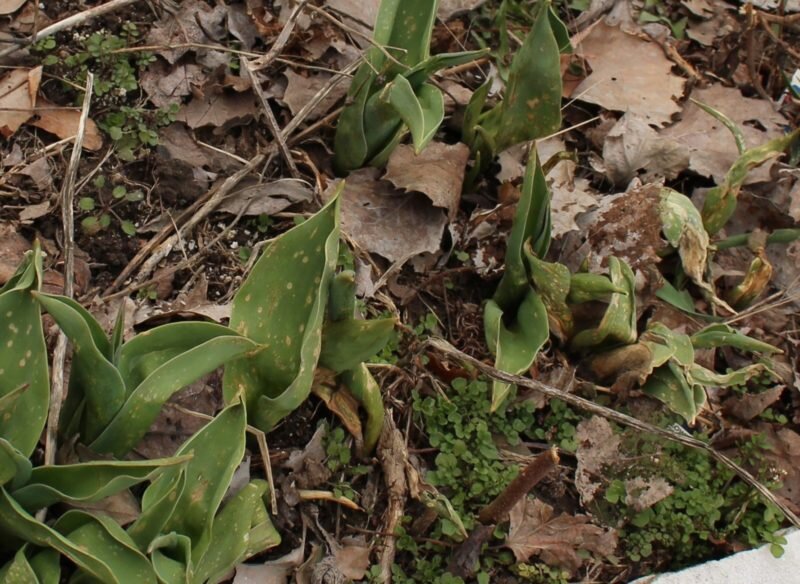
395, 291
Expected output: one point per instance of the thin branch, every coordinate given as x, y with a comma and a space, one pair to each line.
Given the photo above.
589, 406
68, 220
272, 123
282, 39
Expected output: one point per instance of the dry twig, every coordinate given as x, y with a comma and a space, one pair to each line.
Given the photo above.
68, 220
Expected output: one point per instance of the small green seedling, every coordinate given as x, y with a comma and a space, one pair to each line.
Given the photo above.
390, 94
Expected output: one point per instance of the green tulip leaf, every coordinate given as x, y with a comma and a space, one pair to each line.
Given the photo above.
360, 382
145, 402
281, 305
669, 385
85, 482
346, 343
23, 360
158, 504
722, 335
516, 344
96, 545
231, 538
421, 110
18, 570
14, 466
618, 325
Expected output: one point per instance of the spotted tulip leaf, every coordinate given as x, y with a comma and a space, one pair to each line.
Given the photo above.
552, 281
145, 402
23, 358
669, 385
158, 504
585, 287
531, 106
281, 306
618, 324
85, 482
216, 451
18, 570
683, 228
360, 382
232, 538
97, 545
722, 335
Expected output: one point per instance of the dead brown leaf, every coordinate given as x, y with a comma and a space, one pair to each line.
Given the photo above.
632, 146
18, 91
644, 85
167, 84
63, 122
222, 110
598, 446
300, 89
627, 225
254, 198
385, 221
352, 558
750, 405
274, 572
180, 144
12, 250
437, 172
534, 530
641, 494
715, 20
712, 148
189, 25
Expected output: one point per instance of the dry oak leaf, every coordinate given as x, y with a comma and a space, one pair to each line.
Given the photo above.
382, 220
222, 110
712, 149
437, 172
18, 98
63, 122
632, 146
300, 89
534, 530
644, 85
167, 84
195, 23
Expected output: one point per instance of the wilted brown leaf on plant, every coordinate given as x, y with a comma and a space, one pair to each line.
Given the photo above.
556, 539
644, 85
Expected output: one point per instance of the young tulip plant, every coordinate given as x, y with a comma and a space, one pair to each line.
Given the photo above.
291, 317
